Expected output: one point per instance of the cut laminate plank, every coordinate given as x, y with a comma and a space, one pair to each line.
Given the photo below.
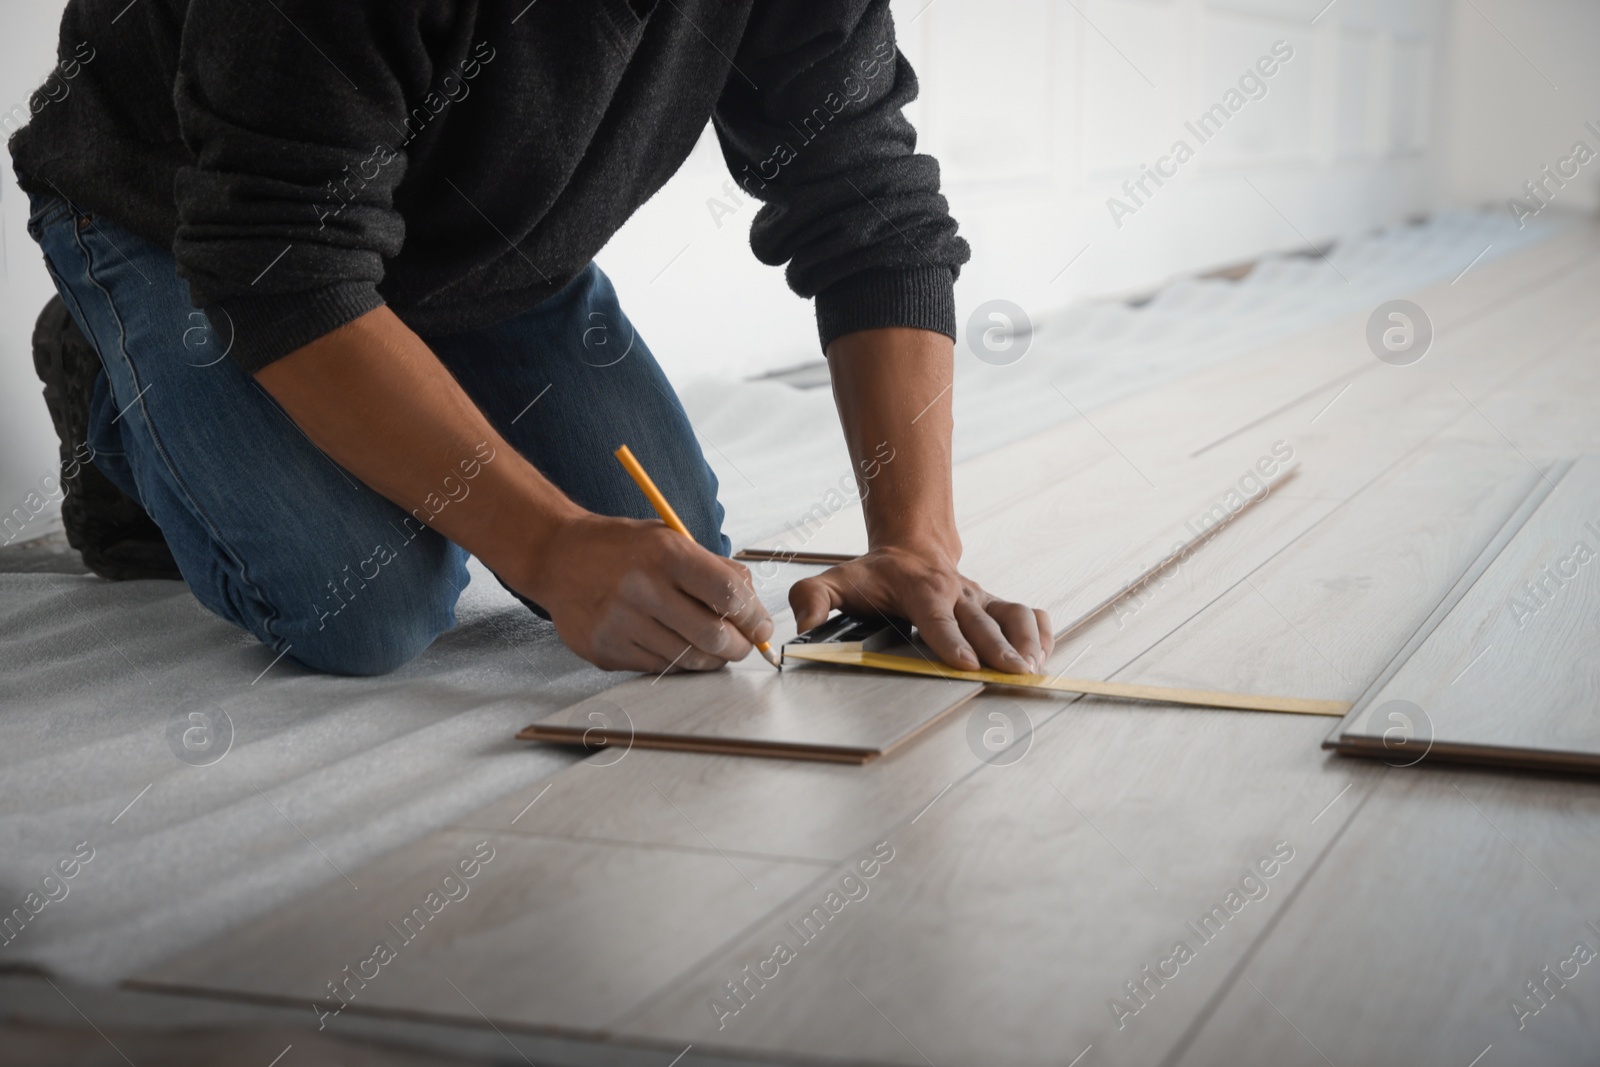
550, 932
783, 808
934, 986
1353, 580
1522, 638
812, 809
804, 712
832, 716
1449, 891
1039, 877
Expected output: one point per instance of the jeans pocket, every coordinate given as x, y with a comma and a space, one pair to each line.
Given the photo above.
48, 209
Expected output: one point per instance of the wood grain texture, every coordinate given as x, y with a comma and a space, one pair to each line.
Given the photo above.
1024, 897
1511, 672
803, 712
1328, 613
1161, 428
1020, 902
817, 810
1450, 890
1355, 581
549, 932
1546, 404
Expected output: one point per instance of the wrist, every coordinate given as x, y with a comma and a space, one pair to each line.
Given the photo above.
936, 544
519, 540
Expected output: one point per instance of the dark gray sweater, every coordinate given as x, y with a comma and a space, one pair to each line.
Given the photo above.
461, 160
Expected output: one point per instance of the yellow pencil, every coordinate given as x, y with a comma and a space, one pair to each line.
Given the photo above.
630, 463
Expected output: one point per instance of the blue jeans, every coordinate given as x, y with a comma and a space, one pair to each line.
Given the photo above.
275, 537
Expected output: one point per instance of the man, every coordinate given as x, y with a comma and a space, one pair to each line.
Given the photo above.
387, 212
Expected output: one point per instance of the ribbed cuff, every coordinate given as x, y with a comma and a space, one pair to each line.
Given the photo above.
921, 297
268, 327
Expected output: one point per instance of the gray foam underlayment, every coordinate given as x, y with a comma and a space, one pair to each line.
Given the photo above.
327, 773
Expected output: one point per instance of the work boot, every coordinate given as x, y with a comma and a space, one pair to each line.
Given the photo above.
109, 529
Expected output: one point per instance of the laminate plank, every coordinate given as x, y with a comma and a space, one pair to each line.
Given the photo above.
1019, 903
1327, 614
1160, 428
788, 810
1123, 527
822, 811
1221, 402
547, 932
1523, 639
1472, 501
1149, 789
1547, 407
806, 711
1449, 892
1056, 552
1041, 876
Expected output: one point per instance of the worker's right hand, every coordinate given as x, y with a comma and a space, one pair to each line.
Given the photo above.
633, 595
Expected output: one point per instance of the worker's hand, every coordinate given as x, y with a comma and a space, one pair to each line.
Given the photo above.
632, 595
960, 622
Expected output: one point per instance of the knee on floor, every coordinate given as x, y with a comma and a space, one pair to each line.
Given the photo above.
360, 651
375, 629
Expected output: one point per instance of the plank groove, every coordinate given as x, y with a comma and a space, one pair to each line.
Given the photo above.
1024, 898
1523, 638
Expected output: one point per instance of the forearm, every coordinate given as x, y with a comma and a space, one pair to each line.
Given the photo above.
377, 400
893, 385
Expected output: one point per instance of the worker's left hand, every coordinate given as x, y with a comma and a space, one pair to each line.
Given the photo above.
966, 626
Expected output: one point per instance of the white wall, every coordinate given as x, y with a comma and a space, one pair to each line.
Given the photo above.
28, 448
1524, 79
1039, 110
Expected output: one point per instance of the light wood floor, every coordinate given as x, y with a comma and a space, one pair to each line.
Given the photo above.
1028, 910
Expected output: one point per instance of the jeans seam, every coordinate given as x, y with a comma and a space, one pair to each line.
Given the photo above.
54, 209
75, 310
270, 616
